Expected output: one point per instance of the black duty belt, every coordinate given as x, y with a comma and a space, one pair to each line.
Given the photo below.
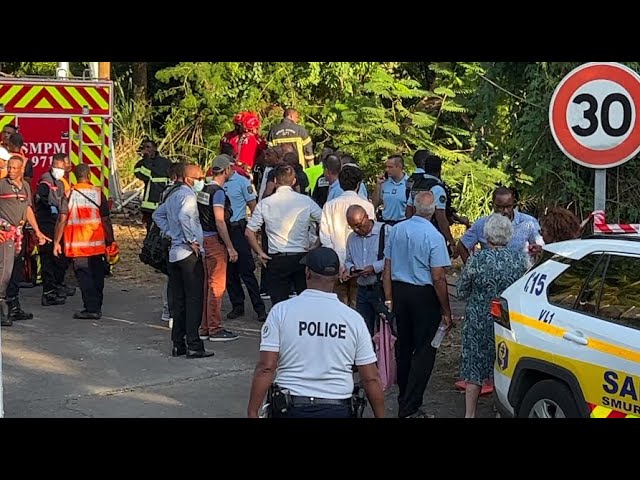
286, 254
239, 224
392, 222
297, 401
371, 287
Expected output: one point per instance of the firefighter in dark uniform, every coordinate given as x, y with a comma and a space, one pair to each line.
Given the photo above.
48, 200
288, 131
15, 211
153, 170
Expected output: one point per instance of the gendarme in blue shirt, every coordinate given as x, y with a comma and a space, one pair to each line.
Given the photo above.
439, 194
394, 198
240, 192
335, 190
415, 246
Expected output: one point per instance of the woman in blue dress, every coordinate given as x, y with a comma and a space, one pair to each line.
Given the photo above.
485, 276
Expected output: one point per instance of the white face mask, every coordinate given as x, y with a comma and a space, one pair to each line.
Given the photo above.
198, 185
57, 173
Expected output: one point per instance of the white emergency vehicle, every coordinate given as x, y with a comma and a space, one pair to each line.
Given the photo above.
568, 333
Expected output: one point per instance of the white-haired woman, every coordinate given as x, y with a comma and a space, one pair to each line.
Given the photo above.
485, 276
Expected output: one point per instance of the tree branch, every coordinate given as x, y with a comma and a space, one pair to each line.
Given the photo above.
508, 92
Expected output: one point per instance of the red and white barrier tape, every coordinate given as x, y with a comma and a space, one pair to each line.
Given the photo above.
601, 226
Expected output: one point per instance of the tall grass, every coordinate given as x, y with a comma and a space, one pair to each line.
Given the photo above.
132, 124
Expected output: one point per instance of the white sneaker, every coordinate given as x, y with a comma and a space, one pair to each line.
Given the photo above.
166, 316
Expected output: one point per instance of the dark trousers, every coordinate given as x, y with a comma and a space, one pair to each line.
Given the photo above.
263, 272
169, 298
90, 273
7, 257
243, 271
366, 301
316, 411
418, 315
147, 219
53, 268
18, 269
186, 281
282, 270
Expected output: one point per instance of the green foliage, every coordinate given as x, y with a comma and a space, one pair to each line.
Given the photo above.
132, 124
370, 110
515, 132
488, 121
41, 69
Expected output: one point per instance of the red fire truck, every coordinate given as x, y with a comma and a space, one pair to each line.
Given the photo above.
72, 116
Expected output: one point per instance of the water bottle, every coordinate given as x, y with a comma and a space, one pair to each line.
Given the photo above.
440, 334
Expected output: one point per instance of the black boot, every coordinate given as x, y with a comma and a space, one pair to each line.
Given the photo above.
52, 298
64, 291
5, 321
235, 313
16, 312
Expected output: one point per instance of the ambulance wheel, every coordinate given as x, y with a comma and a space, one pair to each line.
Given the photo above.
548, 399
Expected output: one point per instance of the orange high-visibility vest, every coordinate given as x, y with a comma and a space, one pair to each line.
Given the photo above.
67, 186
84, 233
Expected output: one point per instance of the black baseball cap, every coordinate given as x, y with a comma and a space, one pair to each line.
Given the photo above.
323, 261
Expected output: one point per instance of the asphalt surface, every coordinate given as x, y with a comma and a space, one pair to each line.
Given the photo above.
121, 365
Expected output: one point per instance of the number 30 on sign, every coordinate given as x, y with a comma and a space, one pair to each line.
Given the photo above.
593, 115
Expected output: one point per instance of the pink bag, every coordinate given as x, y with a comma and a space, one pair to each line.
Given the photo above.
385, 351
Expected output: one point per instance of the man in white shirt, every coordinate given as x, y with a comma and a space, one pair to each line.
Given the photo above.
334, 229
287, 216
309, 344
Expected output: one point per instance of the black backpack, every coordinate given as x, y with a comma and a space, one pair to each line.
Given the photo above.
420, 182
155, 247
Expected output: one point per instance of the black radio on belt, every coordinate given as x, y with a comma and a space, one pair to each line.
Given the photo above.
280, 401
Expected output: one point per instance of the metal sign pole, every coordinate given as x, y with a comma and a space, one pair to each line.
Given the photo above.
600, 190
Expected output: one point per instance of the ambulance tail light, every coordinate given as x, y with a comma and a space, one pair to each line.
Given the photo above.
500, 312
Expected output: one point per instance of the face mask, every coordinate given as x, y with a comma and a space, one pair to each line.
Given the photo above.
57, 173
198, 185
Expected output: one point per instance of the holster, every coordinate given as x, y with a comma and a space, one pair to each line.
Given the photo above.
280, 400
358, 402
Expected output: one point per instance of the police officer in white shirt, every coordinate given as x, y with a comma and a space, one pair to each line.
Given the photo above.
287, 216
334, 228
309, 344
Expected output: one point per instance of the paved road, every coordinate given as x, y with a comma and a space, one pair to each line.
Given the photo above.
120, 366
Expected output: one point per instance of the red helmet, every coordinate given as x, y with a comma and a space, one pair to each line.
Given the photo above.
251, 121
239, 117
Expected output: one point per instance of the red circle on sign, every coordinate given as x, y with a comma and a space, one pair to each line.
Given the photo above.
560, 129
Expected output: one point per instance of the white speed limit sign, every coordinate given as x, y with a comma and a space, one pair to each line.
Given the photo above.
593, 115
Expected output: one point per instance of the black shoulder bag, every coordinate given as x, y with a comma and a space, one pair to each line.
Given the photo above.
155, 247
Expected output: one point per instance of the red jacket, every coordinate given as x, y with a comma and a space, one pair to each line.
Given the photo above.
246, 146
